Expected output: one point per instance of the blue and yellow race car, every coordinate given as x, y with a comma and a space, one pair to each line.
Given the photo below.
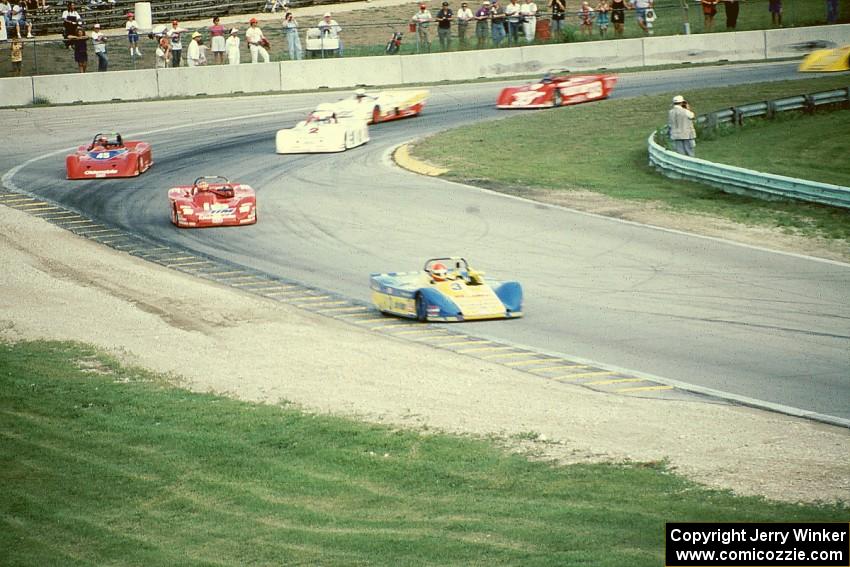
447, 289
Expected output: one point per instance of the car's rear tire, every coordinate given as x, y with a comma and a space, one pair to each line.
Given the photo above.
421, 308
557, 99
376, 115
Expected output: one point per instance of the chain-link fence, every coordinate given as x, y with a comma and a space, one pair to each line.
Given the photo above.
362, 36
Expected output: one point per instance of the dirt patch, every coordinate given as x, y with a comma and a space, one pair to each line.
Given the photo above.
59, 286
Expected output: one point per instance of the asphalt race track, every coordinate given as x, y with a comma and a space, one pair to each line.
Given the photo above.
756, 323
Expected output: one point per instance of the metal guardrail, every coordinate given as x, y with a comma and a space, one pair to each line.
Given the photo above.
746, 181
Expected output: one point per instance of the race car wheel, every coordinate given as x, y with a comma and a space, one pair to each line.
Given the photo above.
557, 98
376, 115
174, 213
421, 308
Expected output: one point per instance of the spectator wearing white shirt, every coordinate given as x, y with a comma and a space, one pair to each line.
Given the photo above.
18, 22
330, 29
513, 17
70, 20
232, 47
528, 12
255, 38
99, 41
464, 16
423, 19
173, 34
163, 53
641, 6
193, 53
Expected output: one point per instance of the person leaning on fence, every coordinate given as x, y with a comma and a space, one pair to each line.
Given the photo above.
464, 16
193, 52
603, 12
680, 121
81, 51
482, 23
256, 40
99, 42
232, 47
497, 23
618, 16
423, 19
513, 17
528, 15
444, 26
641, 7
558, 8
329, 29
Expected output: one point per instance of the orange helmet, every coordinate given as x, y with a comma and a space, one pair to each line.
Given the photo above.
439, 272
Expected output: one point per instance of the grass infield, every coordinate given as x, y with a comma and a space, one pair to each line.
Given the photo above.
107, 465
601, 147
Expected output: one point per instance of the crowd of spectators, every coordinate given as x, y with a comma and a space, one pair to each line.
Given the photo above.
493, 22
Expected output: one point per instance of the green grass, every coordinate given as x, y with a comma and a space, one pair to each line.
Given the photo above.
106, 465
602, 147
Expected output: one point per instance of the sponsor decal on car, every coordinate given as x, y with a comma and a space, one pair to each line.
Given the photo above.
101, 173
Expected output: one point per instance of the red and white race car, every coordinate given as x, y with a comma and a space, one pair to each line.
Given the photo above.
381, 106
557, 91
212, 201
109, 156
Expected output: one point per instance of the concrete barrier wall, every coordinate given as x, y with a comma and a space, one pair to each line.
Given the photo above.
703, 48
391, 70
334, 73
96, 87
220, 79
16, 91
796, 42
590, 56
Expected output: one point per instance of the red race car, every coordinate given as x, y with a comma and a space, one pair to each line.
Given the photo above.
557, 91
109, 156
212, 201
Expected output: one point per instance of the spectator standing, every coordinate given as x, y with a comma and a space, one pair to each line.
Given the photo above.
709, 10
423, 19
482, 20
528, 14
81, 52
176, 42
293, 42
603, 14
444, 26
585, 16
70, 20
217, 32
831, 11
193, 52
99, 41
559, 9
330, 29
464, 16
255, 38
680, 120
731, 8
163, 53
513, 17
497, 23
775, 9
641, 6
232, 46
132, 28
618, 16
16, 50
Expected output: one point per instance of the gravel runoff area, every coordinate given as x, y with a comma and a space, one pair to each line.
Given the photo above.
213, 338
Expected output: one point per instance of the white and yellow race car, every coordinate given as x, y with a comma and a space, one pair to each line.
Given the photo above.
447, 289
322, 132
825, 60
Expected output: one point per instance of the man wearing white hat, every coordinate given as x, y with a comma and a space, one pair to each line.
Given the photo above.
329, 29
680, 120
193, 53
231, 47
